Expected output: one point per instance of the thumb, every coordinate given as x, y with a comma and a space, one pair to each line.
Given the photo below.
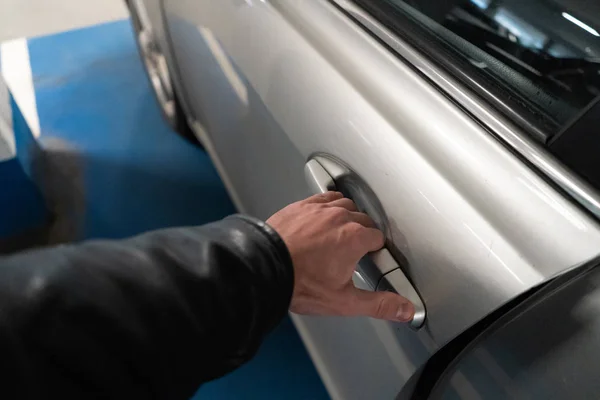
384, 305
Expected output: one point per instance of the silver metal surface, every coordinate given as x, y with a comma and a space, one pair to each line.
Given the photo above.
385, 263
275, 83
141, 10
382, 261
318, 178
155, 61
506, 131
397, 282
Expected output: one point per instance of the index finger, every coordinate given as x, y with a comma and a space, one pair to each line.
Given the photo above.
369, 239
374, 239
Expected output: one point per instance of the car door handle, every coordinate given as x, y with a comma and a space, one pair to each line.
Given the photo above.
379, 267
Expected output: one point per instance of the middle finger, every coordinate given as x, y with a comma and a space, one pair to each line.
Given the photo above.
344, 203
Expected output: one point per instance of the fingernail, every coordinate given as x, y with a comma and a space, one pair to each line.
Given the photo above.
405, 313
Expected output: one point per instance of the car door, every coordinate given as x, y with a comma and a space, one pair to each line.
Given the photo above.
274, 84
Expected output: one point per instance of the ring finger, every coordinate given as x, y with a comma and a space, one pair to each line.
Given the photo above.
344, 203
363, 219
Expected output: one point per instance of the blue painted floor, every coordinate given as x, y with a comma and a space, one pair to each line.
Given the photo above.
128, 173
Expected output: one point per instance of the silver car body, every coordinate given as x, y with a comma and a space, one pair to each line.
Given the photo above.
267, 85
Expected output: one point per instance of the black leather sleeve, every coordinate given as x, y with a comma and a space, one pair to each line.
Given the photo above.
150, 317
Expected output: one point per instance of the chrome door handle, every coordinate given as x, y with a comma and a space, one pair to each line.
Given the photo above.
380, 267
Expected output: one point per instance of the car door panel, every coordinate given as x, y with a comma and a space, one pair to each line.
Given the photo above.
239, 125
275, 83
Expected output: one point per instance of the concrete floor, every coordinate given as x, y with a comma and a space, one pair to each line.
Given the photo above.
30, 18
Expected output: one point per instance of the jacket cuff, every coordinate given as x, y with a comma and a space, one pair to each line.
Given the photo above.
283, 260
278, 244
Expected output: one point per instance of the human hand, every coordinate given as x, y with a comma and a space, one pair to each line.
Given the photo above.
326, 237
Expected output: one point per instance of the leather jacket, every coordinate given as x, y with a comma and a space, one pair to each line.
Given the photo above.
150, 317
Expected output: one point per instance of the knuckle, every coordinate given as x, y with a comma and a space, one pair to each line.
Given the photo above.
320, 196
329, 196
351, 205
338, 213
351, 232
354, 228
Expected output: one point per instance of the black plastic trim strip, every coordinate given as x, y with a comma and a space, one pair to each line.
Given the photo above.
578, 146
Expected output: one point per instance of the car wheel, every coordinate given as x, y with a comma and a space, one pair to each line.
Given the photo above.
158, 73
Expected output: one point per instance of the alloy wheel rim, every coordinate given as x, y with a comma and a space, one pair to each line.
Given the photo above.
156, 65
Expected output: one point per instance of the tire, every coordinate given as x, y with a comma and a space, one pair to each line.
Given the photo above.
158, 74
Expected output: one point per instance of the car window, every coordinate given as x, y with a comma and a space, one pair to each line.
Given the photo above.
537, 60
